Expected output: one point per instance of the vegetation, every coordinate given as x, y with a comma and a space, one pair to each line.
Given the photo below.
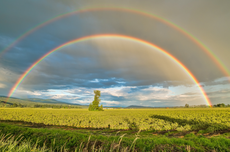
5, 102
186, 106
221, 105
94, 106
57, 106
212, 119
18, 138
173, 129
36, 103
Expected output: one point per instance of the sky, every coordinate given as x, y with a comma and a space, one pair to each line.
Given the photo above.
127, 71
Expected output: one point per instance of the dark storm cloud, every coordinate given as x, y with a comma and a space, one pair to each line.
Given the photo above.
105, 23
218, 99
219, 93
220, 81
80, 67
18, 17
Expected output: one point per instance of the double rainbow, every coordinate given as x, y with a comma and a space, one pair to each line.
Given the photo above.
23, 76
214, 57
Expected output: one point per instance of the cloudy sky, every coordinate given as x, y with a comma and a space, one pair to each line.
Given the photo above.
126, 71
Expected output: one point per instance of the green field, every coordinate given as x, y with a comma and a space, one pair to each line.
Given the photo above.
188, 129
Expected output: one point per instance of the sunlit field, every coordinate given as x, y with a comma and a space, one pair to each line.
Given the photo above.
134, 119
120, 129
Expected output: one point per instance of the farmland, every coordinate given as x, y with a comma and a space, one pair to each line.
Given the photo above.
147, 119
170, 124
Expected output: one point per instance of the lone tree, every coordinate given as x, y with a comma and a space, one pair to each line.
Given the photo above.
186, 105
94, 106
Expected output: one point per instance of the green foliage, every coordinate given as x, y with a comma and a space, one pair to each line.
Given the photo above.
190, 135
94, 106
56, 106
187, 119
32, 103
207, 120
186, 105
211, 129
221, 105
18, 138
180, 128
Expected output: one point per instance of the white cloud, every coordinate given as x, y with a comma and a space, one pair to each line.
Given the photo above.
63, 96
2, 85
124, 95
222, 79
96, 80
117, 91
111, 102
153, 93
156, 101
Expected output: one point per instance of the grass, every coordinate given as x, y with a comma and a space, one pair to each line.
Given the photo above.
23, 138
180, 130
10, 143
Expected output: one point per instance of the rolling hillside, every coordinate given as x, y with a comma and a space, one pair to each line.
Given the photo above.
34, 101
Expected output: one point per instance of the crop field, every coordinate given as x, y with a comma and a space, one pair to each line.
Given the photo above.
144, 119
199, 129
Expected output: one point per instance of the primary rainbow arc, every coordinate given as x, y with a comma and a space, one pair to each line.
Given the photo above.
23, 76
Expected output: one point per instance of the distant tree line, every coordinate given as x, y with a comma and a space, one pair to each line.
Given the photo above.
221, 105
205, 106
14, 105
56, 106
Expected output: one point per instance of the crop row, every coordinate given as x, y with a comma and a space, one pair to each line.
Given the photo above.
144, 119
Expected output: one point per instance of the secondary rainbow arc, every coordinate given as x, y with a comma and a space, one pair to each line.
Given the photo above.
212, 55
23, 76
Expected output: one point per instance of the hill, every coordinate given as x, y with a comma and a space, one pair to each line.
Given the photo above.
49, 101
16, 100
34, 101
136, 106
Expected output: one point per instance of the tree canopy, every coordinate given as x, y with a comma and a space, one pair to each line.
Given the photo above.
94, 106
